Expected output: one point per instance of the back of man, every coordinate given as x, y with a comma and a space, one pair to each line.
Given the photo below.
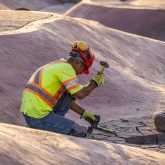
54, 79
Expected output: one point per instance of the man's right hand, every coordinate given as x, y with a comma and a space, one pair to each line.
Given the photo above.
99, 79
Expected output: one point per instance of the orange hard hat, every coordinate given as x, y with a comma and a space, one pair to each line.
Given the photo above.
83, 49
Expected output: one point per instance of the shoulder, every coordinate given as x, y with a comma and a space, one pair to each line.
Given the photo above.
62, 64
65, 66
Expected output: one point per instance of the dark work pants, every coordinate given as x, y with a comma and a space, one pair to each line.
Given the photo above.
55, 120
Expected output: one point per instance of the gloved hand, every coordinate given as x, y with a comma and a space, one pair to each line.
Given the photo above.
88, 116
99, 79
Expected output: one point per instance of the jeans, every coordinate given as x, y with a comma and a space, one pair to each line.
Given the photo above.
55, 120
52, 122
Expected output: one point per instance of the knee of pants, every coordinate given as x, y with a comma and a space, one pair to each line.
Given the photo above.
78, 130
57, 123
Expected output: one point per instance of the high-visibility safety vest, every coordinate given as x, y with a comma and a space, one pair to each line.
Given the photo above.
46, 86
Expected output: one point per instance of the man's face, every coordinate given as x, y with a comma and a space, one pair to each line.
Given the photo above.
80, 66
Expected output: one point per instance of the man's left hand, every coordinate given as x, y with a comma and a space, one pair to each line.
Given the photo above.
88, 116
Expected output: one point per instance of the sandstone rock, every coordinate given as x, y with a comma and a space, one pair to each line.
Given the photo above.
161, 138
65, 1
149, 139
20, 145
159, 121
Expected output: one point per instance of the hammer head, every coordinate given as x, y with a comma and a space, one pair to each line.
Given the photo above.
104, 64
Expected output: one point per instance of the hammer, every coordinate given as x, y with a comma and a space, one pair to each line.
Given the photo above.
103, 64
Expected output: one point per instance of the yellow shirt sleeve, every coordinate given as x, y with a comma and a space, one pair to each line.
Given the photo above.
67, 76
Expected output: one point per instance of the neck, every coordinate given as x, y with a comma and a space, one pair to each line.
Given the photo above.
74, 66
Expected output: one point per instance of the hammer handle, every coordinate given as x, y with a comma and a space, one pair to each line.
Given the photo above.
102, 69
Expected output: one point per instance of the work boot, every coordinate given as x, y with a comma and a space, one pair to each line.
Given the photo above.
78, 130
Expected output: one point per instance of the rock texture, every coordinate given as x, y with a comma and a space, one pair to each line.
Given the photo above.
158, 4
137, 132
31, 5
27, 146
55, 6
147, 22
159, 120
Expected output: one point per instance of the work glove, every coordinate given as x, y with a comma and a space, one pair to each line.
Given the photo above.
99, 79
88, 116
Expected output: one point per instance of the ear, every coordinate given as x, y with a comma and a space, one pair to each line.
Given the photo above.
77, 62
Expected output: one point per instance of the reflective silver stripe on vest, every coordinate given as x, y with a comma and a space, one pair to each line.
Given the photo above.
37, 76
58, 95
40, 92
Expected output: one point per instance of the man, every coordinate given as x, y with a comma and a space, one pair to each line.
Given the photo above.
53, 89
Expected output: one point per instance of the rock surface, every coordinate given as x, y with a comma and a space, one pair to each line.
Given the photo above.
158, 4
137, 132
55, 6
159, 120
31, 5
27, 146
148, 22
